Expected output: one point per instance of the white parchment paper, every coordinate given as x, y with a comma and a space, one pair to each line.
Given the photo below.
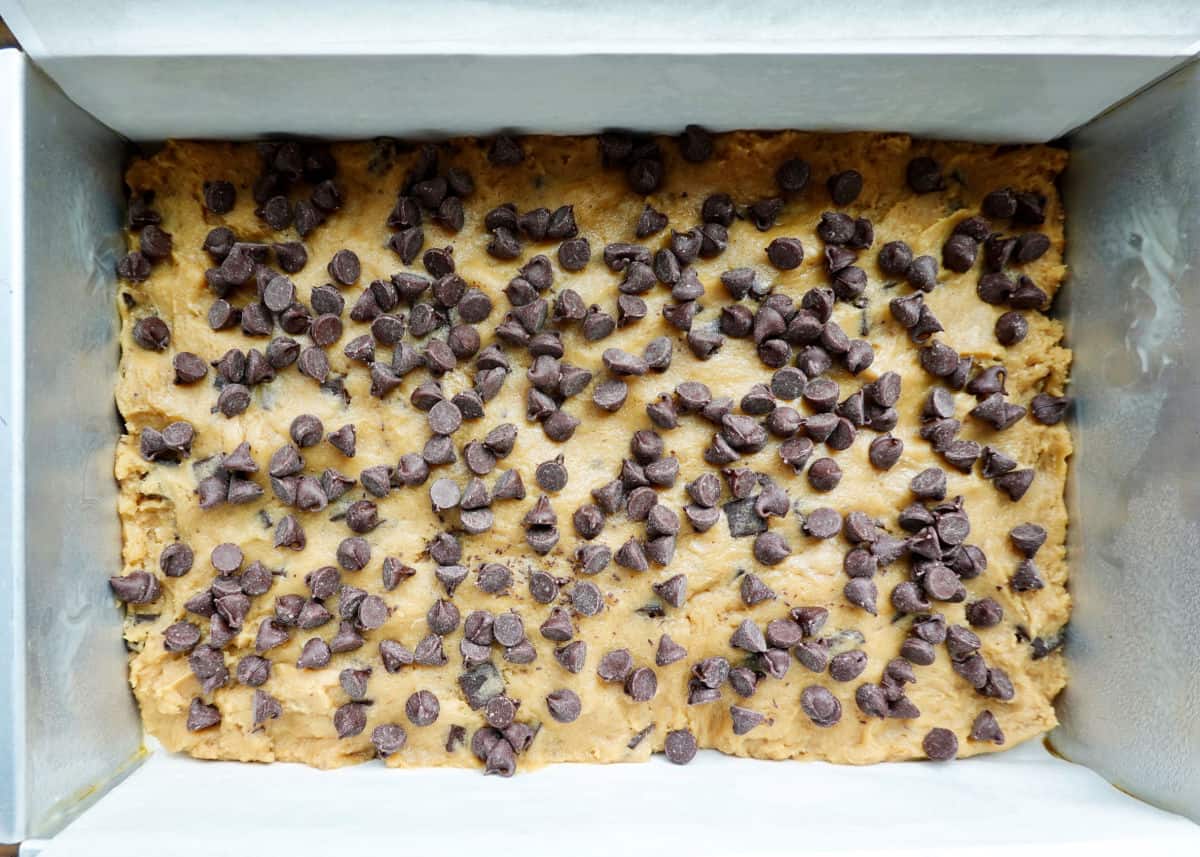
715, 806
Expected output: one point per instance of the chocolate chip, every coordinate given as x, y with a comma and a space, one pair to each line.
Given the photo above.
785, 253
154, 243
754, 591
918, 651
837, 258
1026, 578
1000, 204
632, 555
1027, 538
1011, 328
615, 665
429, 651
824, 474
641, 684
645, 175
939, 359
189, 368
494, 579
844, 187
650, 221
849, 283
772, 502
765, 212
821, 706
227, 558
1049, 410
407, 243
995, 411
986, 728
847, 666
922, 273
835, 227
940, 744
941, 584
313, 363
176, 559
958, 253
505, 151
152, 333
743, 518
560, 426
1027, 295
701, 518
564, 705
894, 259
354, 553
202, 716
748, 637
929, 484
542, 587
315, 655
771, 548
574, 254
823, 523
597, 324
861, 592
997, 253
233, 399
961, 642
1031, 246
504, 244
795, 452
998, 685
442, 617
422, 708
680, 746
222, 316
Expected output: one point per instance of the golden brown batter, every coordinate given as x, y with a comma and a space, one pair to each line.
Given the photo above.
160, 504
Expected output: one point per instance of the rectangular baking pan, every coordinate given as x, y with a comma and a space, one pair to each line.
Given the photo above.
69, 731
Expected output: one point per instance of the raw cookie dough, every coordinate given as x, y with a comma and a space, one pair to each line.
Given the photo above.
159, 503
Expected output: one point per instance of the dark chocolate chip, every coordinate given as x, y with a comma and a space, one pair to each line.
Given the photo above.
940, 744
1049, 410
824, 474
847, 666
771, 548
505, 151
765, 212
823, 523
821, 706
1011, 328
650, 221
844, 187
754, 591
895, 258
861, 592
680, 746
422, 708
785, 253
1026, 578
958, 253
564, 705
152, 333
1031, 246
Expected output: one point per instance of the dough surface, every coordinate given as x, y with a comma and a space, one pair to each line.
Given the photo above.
159, 502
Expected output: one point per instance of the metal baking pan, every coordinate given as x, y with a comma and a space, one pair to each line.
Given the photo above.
69, 731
